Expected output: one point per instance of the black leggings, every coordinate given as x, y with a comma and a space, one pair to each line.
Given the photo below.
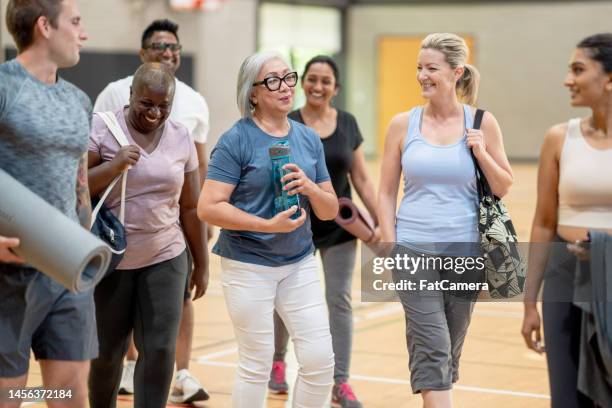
562, 329
148, 300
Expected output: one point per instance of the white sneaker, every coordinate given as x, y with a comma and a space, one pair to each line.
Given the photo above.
187, 389
127, 378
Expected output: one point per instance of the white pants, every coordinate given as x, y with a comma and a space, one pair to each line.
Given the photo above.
252, 292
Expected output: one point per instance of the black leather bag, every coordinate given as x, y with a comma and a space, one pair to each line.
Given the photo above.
505, 267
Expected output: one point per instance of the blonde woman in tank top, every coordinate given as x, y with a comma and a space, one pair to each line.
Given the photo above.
574, 196
431, 145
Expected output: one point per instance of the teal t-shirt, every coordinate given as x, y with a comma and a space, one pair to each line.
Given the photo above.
44, 130
241, 158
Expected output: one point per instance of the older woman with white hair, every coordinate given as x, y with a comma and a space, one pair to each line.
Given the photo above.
267, 259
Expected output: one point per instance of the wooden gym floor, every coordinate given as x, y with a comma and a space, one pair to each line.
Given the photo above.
497, 370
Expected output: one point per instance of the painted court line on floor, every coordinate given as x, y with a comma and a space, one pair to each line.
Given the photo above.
481, 390
397, 308
222, 353
455, 387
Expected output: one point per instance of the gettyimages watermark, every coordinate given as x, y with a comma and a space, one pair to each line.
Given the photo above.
428, 270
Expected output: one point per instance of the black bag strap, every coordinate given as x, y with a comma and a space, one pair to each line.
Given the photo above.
484, 189
478, 118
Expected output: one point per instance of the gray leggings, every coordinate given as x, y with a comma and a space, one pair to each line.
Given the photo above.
148, 300
338, 266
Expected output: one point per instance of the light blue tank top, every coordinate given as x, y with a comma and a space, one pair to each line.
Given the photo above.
440, 203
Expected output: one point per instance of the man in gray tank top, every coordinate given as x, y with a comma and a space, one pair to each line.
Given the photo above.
44, 131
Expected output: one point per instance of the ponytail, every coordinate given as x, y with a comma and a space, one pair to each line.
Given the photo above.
467, 85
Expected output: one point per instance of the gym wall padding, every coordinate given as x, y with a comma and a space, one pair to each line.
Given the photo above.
96, 69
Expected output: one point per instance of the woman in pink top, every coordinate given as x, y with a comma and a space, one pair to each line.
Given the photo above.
574, 196
145, 292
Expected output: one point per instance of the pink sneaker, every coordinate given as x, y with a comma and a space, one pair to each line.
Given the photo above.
344, 397
278, 382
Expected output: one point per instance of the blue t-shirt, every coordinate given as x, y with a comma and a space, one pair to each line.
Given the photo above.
241, 158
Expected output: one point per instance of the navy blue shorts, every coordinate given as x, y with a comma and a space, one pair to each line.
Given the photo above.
39, 314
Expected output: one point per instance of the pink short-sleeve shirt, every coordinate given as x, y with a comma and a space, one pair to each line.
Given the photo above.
153, 190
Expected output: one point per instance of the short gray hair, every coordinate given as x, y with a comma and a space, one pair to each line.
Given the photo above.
154, 75
249, 70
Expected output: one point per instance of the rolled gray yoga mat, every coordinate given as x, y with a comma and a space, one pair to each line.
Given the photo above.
50, 241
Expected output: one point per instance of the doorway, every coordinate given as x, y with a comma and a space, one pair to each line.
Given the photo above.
398, 89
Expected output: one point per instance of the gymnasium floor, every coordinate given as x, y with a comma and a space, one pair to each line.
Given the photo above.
496, 368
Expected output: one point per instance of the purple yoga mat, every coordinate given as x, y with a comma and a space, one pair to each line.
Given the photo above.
355, 220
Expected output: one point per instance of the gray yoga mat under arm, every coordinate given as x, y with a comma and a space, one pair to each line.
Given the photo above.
50, 241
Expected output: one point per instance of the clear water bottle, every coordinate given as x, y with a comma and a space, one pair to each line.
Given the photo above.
280, 154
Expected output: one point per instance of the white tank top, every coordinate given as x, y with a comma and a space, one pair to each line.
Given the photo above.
585, 182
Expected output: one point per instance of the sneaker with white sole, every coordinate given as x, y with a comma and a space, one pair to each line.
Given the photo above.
187, 389
126, 387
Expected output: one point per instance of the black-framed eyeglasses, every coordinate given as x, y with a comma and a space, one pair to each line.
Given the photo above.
274, 83
162, 47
